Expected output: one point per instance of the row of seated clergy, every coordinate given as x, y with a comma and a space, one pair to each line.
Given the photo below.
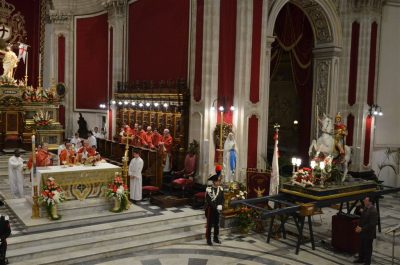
149, 138
85, 153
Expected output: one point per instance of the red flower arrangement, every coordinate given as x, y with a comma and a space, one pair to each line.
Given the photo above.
119, 191
51, 195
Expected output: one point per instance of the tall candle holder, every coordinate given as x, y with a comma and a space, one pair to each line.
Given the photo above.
35, 197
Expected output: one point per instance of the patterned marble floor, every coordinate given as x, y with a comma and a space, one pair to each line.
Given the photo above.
251, 249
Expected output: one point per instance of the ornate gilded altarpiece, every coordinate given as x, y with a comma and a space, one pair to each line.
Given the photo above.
19, 109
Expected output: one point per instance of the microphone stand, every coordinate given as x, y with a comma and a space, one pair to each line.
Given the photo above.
393, 230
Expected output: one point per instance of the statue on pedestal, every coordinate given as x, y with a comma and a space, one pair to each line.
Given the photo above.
83, 130
10, 61
230, 156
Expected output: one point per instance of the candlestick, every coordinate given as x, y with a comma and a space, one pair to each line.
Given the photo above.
35, 192
26, 69
294, 164
40, 71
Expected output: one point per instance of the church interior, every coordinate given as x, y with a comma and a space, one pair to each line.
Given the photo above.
133, 130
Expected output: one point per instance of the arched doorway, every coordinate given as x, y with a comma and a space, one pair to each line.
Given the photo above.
291, 82
327, 36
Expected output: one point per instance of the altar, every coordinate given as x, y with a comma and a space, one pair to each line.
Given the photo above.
80, 182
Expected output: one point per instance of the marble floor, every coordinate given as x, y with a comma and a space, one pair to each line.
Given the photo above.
252, 249
248, 249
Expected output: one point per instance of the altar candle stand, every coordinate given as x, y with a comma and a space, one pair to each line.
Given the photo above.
294, 164
35, 205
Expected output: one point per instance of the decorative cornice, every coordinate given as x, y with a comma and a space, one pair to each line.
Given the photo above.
115, 7
58, 17
366, 5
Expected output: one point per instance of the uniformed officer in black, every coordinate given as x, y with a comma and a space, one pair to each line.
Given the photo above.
213, 206
367, 231
5, 231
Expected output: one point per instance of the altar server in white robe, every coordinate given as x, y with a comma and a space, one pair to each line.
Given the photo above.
15, 176
135, 176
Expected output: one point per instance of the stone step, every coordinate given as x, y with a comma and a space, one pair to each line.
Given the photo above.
96, 241
111, 250
100, 229
22, 208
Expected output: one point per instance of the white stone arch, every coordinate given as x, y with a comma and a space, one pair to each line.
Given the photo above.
323, 18
328, 41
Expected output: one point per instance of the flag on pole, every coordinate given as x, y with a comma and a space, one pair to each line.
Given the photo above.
274, 183
23, 48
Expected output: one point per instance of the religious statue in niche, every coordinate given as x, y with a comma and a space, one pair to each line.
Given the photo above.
230, 156
83, 130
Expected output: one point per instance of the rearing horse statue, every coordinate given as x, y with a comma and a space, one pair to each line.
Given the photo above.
326, 145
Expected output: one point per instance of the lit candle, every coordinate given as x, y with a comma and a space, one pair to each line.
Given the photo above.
294, 164
322, 165
313, 164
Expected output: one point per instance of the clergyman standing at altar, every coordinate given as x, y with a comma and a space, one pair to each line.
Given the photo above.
135, 176
230, 155
16, 178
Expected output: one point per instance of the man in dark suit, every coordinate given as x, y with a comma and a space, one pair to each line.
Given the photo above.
367, 231
5, 231
213, 205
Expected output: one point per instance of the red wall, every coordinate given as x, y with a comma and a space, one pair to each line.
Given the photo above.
91, 61
158, 39
227, 50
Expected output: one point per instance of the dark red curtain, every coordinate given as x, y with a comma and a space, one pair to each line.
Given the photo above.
198, 71
158, 39
256, 52
294, 35
372, 64
252, 142
61, 59
31, 12
350, 130
226, 64
355, 39
91, 61
367, 143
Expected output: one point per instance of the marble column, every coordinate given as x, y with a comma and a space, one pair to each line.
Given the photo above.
365, 13
60, 23
326, 85
202, 119
117, 10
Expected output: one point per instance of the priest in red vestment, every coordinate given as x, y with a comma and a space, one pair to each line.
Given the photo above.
148, 138
166, 145
43, 156
67, 155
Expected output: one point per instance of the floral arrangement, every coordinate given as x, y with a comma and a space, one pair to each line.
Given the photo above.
118, 191
245, 219
42, 119
238, 189
51, 195
303, 177
323, 169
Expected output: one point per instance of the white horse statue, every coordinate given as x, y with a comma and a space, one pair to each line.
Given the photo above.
326, 145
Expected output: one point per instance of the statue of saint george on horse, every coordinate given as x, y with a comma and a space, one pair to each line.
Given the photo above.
332, 142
